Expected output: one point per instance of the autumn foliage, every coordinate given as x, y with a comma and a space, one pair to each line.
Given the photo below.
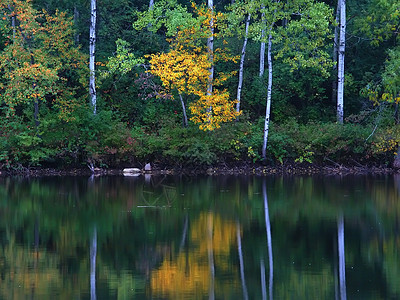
39, 61
185, 69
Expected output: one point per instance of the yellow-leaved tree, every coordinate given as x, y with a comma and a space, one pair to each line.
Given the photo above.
185, 70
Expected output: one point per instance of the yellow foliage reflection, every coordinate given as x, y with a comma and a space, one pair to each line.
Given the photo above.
190, 273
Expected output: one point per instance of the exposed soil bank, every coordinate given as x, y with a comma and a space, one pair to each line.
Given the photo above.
239, 169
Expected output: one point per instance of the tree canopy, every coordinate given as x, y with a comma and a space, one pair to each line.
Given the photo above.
157, 70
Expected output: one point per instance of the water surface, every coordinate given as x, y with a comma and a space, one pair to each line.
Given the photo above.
200, 238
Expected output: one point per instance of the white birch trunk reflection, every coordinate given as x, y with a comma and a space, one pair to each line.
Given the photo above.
93, 254
210, 250
342, 262
269, 241
263, 285
241, 264
335, 268
184, 234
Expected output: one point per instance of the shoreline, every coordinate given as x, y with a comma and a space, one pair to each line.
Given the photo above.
243, 169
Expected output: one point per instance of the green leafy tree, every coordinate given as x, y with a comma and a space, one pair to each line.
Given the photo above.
298, 30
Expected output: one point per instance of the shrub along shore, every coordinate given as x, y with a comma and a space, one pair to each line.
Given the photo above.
293, 148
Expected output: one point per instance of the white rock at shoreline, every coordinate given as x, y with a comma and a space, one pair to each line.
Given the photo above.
131, 171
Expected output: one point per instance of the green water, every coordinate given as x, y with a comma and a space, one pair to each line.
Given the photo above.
200, 238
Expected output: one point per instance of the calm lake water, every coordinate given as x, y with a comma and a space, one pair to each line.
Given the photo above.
200, 238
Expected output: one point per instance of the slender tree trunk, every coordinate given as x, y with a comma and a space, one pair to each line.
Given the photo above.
335, 53
342, 262
92, 50
243, 55
210, 47
13, 26
185, 119
36, 102
36, 113
396, 163
262, 48
269, 94
342, 46
93, 255
269, 240
241, 264
151, 4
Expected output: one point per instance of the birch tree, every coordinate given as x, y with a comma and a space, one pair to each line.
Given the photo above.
269, 97
241, 68
210, 47
92, 52
342, 46
262, 44
298, 43
240, 11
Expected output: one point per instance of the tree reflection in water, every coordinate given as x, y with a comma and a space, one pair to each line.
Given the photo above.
93, 256
342, 262
269, 240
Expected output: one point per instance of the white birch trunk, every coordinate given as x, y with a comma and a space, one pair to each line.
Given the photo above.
92, 50
342, 261
210, 46
269, 94
335, 52
262, 48
342, 46
13, 26
243, 55
185, 120
151, 4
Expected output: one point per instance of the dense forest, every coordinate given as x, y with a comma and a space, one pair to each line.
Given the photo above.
117, 83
